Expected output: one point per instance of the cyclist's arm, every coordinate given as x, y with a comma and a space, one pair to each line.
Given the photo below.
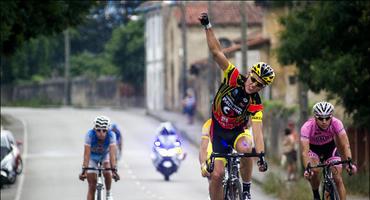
112, 155
87, 151
342, 142
258, 136
305, 148
215, 48
203, 149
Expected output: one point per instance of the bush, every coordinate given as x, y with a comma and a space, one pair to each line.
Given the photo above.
357, 184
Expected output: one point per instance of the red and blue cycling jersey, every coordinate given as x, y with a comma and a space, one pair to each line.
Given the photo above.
99, 149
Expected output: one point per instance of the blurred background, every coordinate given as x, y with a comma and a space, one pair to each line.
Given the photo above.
141, 57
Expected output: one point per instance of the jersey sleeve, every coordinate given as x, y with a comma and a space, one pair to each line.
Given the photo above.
112, 138
257, 117
256, 104
338, 126
206, 128
88, 138
305, 132
231, 75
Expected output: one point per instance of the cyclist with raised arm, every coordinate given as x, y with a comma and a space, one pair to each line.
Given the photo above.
100, 146
323, 137
236, 99
206, 151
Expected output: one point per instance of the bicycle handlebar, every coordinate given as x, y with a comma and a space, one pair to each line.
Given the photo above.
210, 167
324, 165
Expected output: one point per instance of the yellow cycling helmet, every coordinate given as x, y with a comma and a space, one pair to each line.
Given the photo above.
264, 71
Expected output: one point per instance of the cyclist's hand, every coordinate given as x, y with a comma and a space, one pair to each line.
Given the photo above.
115, 175
83, 175
203, 18
204, 170
308, 173
351, 169
262, 164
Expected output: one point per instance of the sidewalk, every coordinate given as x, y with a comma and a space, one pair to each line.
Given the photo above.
193, 134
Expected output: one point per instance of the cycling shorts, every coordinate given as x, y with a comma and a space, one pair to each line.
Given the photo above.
246, 134
223, 140
326, 153
94, 164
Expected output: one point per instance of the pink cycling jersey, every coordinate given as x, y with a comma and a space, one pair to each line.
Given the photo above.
311, 131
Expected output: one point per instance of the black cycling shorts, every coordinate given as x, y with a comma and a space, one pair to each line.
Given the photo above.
223, 139
325, 151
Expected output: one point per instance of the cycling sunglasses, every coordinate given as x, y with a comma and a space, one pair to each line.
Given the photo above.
101, 130
254, 80
322, 118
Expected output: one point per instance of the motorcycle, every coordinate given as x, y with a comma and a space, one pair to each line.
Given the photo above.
11, 161
167, 154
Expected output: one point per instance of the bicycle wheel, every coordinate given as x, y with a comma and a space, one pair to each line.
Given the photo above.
233, 191
99, 194
331, 188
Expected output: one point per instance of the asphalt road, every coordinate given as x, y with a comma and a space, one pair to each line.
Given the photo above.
53, 150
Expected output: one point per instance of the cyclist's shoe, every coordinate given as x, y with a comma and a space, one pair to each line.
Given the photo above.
109, 196
247, 195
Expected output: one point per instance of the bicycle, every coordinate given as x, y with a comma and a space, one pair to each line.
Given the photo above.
100, 179
231, 182
328, 184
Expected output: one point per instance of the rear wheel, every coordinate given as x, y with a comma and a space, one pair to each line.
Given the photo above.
166, 177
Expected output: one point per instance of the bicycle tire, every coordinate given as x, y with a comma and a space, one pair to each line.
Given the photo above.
233, 191
99, 194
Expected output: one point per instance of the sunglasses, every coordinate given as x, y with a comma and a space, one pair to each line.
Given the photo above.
254, 80
101, 130
322, 118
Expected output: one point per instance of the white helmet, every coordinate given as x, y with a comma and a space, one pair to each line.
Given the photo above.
323, 109
102, 122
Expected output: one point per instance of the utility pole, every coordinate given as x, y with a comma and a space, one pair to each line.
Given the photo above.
244, 46
67, 86
184, 47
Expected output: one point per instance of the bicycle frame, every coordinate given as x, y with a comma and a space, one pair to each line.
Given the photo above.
328, 184
100, 180
231, 183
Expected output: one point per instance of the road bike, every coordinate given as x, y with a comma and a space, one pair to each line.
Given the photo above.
231, 183
328, 184
100, 179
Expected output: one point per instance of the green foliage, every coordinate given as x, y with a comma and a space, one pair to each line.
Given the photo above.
91, 65
328, 42
23, 20
37, 58
357, 184
127, 52
278, 108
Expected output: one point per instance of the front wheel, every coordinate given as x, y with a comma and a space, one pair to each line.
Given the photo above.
19, 167
233, 191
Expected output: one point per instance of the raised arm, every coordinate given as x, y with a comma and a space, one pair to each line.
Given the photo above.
213, 43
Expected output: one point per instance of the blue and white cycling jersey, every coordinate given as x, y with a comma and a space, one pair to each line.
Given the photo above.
99, 150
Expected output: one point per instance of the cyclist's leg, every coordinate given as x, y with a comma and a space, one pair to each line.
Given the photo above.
91, 180
215, 184
337, 174
107, 174
315, 179
244, 143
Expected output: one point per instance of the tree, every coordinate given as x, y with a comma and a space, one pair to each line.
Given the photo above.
329, 43
127, 52
23, 20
